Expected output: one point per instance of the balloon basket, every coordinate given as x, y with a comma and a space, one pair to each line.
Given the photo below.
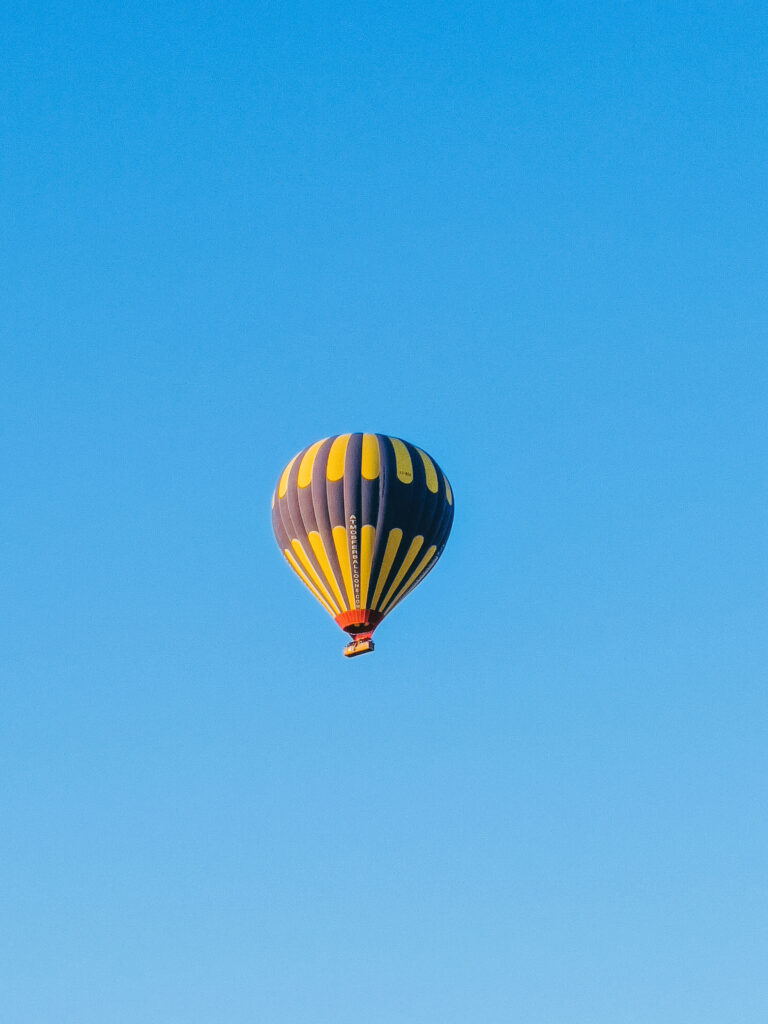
360, 645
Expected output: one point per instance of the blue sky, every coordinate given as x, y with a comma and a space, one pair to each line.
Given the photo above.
530, 238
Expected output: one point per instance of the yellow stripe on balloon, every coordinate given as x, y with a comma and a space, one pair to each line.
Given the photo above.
334, 469
448, 491
367, 541
316, 543
283, 485
411, 581
403, 462
342, 553
413, 550
313, 573
393, 543
369, 461
306, 581
429, 470
305, 468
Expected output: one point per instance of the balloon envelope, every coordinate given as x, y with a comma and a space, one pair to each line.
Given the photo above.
361, 519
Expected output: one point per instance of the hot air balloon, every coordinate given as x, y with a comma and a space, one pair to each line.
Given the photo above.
361, 519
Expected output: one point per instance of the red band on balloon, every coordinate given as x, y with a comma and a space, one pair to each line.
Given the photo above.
359, 620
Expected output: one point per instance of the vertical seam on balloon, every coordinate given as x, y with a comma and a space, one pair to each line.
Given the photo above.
367, 542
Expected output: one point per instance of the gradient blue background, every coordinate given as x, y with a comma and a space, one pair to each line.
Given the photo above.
531, 238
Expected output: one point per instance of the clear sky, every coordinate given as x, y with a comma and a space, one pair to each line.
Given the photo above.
531, 238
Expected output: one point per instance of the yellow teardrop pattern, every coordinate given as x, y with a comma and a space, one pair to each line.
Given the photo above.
338, 452
283, 485
305, 467
393, 543
403, 463
429, 470
306, 581
413, 550
316, 543
342, 553
411, 581
312, 573
369, 462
